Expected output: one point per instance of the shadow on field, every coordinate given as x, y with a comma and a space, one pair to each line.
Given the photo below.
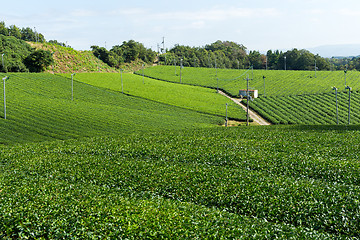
326, 127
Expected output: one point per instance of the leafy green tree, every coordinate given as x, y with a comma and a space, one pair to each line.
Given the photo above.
101, 53
3, 29
125, 53
14, 31
305, 61
39, 60
27, 34
15, 51
255, 59
321, 63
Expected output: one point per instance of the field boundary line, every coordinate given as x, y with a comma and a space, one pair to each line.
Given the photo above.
254, 115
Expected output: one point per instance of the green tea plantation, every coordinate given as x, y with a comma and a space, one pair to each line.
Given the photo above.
299, 182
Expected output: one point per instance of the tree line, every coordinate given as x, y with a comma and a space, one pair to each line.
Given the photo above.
227, 54
18, 56
220, 54
26, 34
127, 52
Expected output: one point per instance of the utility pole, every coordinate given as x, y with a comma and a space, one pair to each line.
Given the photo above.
175, 65
122, 85
252, 72
264, 85
266, 63
143, 73
247, 102
4, 79
181, 65
2, 58
347, 87
52, 65
215, 67
226, 118
99, 63
337, 109
345, 71
72, 86
315, 67
285, 62
163, 42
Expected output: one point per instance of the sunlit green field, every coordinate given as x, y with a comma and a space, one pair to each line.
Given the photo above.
39, 107
199, 99
236, 183
277, 82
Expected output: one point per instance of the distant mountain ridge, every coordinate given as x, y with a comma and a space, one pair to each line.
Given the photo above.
339, 50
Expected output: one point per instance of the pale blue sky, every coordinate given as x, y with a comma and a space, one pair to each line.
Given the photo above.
257, 24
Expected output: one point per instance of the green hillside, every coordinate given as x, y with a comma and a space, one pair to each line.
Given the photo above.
69, 60
190, 97
39, 107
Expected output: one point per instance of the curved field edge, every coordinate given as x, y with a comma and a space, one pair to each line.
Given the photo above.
266, 182
277, 82
39, 107
195, 98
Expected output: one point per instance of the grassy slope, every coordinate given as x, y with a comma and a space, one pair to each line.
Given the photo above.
185, 96
39, 107
70, 60
258, 182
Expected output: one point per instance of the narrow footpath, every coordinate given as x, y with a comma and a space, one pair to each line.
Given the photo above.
253, 115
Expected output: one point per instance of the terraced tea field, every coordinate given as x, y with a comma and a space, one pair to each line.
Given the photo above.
199, 99
277, 82
309, 109
238, 183
108, 165
291, 97
39, 107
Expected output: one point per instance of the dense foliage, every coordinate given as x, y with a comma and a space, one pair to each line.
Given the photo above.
345, 63
240, 183
19, 56
13, 53
26, 34
39, 60
295, 60
222, 54
125, 53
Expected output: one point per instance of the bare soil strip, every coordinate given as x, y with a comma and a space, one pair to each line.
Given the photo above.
253, 115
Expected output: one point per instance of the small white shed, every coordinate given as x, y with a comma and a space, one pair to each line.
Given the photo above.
252, 93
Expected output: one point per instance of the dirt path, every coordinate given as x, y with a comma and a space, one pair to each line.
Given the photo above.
253, 115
